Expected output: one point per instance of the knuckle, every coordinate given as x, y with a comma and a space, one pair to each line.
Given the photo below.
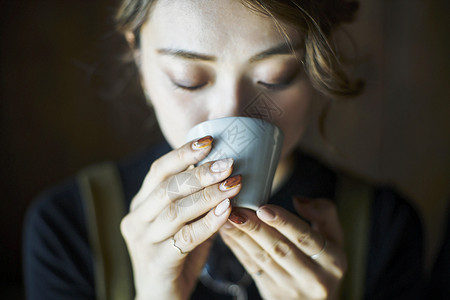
186, 235
160, 191
253, 227
282, 222
248, 261
262, 256
208, 223
134, 202
182, 153
171, 212
154, 167
207, 195
303, 238
281, 248
125, 226
198, 173
203, 175
236, 233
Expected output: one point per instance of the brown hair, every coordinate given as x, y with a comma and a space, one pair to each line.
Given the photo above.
312, 18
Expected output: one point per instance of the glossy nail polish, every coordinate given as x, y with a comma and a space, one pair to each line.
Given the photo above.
237, 217
202, 143
222, 207
230, 183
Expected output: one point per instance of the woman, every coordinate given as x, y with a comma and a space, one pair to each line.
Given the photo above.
202, 60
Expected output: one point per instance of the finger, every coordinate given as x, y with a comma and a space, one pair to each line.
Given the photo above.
194, 234
309, 240
183, 185
292, 227
180, 212
323, 215
253, 258
285, 253
251, 266
173, 163
311, 277
324, 218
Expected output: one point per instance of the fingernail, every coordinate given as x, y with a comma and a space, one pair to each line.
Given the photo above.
266, 214
303, 200
237, 218
227, 226
221, 165
202, 143
222, 207
230, 183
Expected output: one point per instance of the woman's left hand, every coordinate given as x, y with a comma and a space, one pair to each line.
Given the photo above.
287, 258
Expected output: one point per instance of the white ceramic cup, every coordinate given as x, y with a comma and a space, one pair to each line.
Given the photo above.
254, 144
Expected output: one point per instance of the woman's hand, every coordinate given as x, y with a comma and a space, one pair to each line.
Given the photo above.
173, 217
287, 258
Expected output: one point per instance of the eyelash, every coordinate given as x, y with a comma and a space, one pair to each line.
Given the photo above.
276, 86
269, 86
188, 88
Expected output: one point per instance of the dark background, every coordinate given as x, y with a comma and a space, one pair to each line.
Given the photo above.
68, 100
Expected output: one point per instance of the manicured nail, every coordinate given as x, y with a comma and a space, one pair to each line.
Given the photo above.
221, 165
266, 214
227, 226
222, 207
230, 183
202, 143
237, 217
303, 200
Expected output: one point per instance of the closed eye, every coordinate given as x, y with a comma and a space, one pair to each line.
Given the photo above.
269, 86
276, 86
282, 84
188, 88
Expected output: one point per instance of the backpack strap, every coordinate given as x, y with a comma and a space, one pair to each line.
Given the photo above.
102, 194
354, 200
103, 199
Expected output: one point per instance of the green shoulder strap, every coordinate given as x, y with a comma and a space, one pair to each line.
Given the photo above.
102, 194
101, 191
354, 198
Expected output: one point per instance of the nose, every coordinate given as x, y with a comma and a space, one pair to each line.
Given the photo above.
228, 100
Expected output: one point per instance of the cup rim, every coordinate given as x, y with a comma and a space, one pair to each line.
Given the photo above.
237, 117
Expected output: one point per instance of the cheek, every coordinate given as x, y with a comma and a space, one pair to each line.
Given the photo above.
176, 113
296, 115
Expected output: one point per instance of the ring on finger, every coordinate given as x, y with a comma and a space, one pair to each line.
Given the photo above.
318, 254
178, 248
258, 273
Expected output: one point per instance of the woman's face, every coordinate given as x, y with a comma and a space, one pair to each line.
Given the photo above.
203, 60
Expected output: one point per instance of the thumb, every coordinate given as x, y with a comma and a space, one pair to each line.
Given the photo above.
323, 215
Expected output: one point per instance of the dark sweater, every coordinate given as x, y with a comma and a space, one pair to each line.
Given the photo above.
58, 262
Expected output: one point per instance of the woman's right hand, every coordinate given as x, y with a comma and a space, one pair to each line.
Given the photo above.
173, 217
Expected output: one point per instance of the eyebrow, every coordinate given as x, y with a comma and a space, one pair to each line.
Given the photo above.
279, 49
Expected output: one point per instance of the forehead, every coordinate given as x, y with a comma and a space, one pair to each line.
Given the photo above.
210, 25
